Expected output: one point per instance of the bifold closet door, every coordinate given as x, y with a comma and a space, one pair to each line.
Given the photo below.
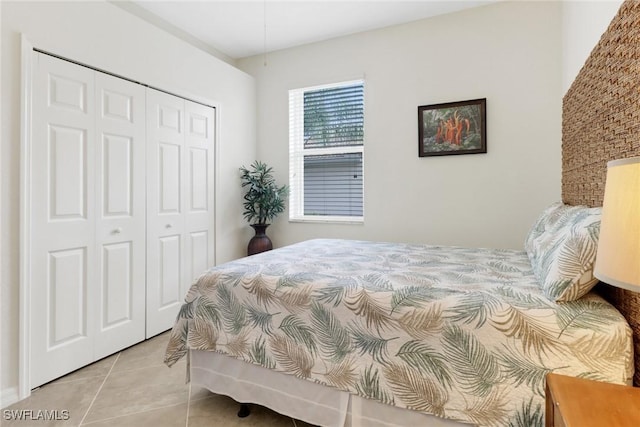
63, 277
120, 171
199, 214
87, 219
180, 215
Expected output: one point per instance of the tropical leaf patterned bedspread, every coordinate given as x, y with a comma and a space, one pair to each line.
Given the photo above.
465, 334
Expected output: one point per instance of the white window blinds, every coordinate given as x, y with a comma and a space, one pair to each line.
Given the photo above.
326, 140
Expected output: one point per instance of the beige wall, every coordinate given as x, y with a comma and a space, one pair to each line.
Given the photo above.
583, 23
508, 52
105, 36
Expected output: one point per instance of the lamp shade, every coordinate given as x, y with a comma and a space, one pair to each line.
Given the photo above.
618, 258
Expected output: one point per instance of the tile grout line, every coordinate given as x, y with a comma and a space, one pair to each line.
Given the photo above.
102, 420
99, 389
186, 422
138, 368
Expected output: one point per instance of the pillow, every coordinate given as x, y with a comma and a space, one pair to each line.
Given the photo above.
545, 221
562, 249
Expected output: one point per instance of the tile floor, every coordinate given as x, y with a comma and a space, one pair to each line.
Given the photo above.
134, 388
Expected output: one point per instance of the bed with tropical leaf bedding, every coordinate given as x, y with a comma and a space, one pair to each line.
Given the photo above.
461, 334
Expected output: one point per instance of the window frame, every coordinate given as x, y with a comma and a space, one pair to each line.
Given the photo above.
297, 153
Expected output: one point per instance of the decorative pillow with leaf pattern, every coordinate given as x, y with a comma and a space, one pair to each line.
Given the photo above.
563, 254
545, 222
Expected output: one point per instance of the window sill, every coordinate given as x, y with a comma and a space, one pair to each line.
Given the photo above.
329, 220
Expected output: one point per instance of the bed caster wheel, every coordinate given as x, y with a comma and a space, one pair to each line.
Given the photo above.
244, 410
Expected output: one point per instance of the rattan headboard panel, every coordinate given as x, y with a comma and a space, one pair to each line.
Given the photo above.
601, 122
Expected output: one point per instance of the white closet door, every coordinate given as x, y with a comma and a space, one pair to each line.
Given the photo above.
63, 279
87, 217
166, 203
199, 215
120, 220
180, 198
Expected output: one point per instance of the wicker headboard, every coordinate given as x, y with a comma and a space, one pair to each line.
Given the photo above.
601, 122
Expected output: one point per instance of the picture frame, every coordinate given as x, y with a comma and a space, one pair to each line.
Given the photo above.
452, 128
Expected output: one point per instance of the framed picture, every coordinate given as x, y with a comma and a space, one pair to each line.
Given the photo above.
452, 128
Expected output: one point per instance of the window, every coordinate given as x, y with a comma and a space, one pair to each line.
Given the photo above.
326, 147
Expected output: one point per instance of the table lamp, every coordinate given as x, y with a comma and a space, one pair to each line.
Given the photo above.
618, 257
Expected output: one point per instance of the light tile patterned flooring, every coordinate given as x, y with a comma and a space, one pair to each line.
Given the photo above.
134, 388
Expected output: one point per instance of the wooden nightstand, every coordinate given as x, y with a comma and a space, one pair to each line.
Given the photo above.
575, 402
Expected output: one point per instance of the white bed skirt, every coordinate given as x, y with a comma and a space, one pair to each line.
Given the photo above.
300, 399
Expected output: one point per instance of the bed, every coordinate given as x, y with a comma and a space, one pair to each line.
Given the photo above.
459, 334
600, 113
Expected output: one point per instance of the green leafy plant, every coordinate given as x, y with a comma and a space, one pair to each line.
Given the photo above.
263, 199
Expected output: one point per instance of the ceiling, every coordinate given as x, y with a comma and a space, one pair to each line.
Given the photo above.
241, 28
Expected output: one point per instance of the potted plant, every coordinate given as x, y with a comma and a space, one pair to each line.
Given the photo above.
263, 201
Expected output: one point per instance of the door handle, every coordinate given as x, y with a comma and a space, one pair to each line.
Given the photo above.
117, 230
168, 226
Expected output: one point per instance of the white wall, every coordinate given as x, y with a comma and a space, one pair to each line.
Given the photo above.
508, 52
583, 23
105, 36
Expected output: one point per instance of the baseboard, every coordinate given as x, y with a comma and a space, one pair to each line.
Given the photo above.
9, 396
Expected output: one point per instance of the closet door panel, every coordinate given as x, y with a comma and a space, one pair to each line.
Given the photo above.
120, 220
117, 185
67, 288
62, 219
169, 178
199, 215
67, 151
170, 270
166, 204
117, 285
200, 250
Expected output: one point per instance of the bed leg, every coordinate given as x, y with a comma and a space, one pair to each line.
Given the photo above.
244, 410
